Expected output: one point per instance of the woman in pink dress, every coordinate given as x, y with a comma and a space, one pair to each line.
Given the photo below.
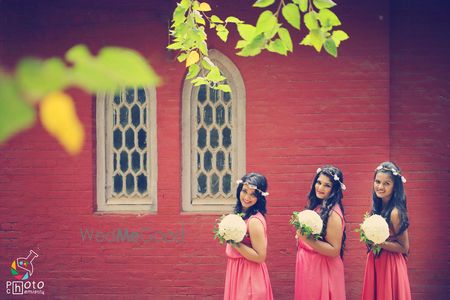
247, 276
319, 270
386, 275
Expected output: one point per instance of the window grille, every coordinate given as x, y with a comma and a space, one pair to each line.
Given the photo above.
126, 143
213, 141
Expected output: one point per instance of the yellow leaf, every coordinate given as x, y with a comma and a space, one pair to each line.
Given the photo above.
59, 118
72, 140
192, 58
204, 7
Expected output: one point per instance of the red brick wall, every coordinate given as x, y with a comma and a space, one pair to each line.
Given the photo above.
319, 110
420, 140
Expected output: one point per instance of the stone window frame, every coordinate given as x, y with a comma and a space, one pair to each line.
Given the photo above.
105, 203
238, 93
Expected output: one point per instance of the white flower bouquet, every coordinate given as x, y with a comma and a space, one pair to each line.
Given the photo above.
373, 231
308, 222
230, 229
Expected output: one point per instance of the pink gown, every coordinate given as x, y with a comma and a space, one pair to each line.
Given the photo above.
386, 277
247, 280
319, 277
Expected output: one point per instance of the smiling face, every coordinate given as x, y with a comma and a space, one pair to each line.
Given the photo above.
383, 186
323, 187
247, 197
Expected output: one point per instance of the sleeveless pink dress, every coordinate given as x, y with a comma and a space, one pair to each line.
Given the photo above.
386, 277
319, 277
247, 280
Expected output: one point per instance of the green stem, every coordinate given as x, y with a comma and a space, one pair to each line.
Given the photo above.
279, 8
310, 6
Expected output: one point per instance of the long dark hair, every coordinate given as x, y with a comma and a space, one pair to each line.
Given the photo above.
334, 198
260, 182
398, 198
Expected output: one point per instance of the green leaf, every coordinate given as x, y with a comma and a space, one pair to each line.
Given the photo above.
15, 114
209, 62
315, 38
198, 34
323, 3
291, 13
247, 31
376, 250
224, 87
263, 3
277, 46
306, 40
205, 65
327, 18
254, 47
214, 75
223, 34
338, 36
199, 81
220, 27
203, 47
273, 32
310, 20
185, 4
330, 47
112, 67
180, 32
179, 15
267, 23
241, 44
39, 78
182, 57
233, 20
199, 20
285, 37
175, 46
303, 4
193, 71
216, 19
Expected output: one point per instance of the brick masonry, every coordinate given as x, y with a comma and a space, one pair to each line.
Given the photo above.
385, 97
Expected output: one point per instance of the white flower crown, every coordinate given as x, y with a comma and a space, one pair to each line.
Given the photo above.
336, 178
394, 172
252, 186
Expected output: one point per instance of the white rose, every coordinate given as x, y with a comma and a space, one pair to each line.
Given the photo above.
232, 227
376, 229
311, 219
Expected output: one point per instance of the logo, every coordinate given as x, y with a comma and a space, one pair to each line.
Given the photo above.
22, 269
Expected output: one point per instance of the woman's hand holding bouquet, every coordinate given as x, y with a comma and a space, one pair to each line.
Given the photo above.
373, 232
230, 229
308, 222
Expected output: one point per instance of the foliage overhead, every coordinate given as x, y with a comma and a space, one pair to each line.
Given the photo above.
37, 82
191, 18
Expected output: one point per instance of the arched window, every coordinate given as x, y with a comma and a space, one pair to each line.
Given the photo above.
213, 143
126, 150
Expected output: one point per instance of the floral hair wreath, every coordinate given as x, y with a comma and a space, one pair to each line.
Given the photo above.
252, 186
394, 172
335, 177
